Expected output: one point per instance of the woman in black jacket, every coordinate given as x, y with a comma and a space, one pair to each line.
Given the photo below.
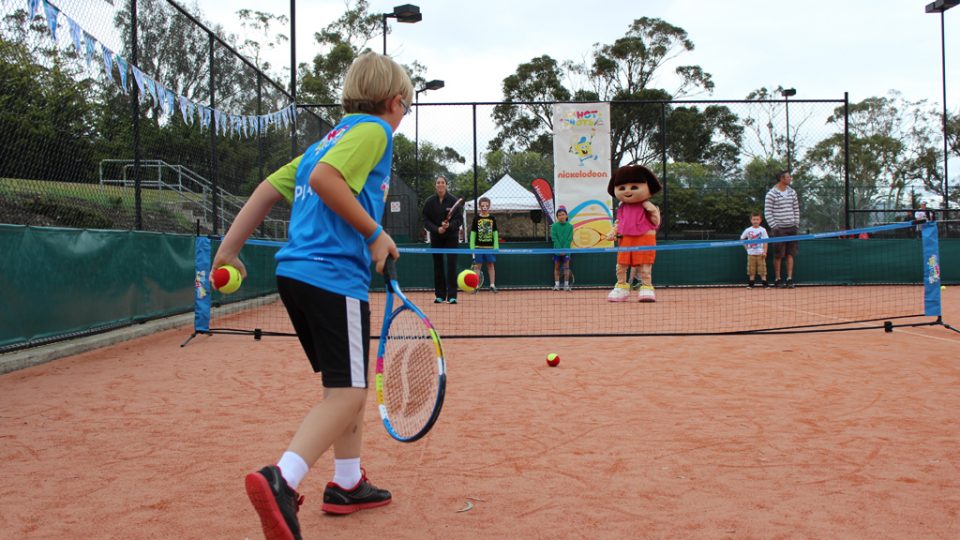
443, 234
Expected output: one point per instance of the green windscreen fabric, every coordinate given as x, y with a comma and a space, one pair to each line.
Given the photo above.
57, 282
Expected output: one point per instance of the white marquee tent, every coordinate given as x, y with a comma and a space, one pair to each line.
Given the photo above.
507, 195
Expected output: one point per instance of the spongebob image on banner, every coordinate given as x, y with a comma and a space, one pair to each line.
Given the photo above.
581, 164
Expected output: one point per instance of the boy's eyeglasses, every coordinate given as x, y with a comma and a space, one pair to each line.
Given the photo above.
406, 108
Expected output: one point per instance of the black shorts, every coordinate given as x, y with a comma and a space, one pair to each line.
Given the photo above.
784, 248
333, 329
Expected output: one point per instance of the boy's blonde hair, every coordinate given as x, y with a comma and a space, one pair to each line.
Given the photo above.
372, 80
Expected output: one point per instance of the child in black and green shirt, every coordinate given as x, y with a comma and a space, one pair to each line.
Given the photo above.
484, 235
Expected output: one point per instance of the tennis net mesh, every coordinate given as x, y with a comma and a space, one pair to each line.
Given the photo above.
845, 280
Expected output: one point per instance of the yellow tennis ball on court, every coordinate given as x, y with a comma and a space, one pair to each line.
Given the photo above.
553, 359
468, 280
943, 287
226, 279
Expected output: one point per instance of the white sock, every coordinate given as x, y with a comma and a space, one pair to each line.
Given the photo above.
556, 283
293, 468
346, 472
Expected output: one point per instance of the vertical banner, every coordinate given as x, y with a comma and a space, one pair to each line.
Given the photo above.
581, 164
201, 284
931, 269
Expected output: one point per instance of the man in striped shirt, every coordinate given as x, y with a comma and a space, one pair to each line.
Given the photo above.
782, 211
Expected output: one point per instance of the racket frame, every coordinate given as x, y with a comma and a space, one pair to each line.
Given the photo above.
393, 289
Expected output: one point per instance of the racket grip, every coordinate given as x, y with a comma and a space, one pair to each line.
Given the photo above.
389, 270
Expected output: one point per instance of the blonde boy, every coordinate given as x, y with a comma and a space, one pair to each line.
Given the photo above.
337, 189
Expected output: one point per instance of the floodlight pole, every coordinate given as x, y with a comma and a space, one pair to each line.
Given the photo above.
941, 6
787, 92
407, 13
432, 85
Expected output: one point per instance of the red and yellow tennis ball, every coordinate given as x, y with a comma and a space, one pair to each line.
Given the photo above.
553, 359
468, 280
226, 279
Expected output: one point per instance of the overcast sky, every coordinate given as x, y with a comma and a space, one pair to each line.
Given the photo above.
821, 47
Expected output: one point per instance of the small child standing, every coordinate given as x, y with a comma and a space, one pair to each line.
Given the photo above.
561, 232
756, 253
484, 235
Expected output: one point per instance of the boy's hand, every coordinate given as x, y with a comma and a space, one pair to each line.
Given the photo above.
381, 248
233, 260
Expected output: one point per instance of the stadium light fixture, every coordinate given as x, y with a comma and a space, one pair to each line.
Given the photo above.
407, 13
941, 6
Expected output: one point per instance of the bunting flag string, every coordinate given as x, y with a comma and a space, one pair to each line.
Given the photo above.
107, 62
91, 48
75, 34
162, 97
138, 78
151, 88
122, 66
51, 12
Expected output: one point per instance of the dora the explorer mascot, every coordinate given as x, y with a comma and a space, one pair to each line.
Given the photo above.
637, 222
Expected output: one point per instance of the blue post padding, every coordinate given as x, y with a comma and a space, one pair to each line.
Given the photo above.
931, 269
201, 299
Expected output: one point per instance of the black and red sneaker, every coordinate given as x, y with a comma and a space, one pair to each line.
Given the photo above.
337, 500
276, 503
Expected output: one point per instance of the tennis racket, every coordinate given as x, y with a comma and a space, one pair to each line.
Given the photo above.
411, 375
453, 209
478, 268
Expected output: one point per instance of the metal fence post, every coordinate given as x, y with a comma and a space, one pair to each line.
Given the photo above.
134, 59
846, 160
665, 223
213, 143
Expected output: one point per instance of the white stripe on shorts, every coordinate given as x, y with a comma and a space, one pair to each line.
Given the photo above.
355, 337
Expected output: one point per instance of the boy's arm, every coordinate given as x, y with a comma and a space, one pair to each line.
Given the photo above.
553, 234
248, 219
473, 232
331, 187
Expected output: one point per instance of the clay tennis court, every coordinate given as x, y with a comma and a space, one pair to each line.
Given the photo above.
840, 435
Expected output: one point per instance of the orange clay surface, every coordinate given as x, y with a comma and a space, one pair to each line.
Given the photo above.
842, 435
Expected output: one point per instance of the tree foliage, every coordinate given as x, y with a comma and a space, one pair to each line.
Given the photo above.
619, 72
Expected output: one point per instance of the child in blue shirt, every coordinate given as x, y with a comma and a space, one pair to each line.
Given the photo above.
337, 189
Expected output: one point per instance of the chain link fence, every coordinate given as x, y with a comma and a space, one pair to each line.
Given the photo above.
135, 115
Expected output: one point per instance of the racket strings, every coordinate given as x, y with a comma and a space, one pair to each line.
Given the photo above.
410, 373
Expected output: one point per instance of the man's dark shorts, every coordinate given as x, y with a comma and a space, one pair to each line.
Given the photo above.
784, 248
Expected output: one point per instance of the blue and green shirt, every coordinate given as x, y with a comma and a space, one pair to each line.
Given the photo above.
323, 250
